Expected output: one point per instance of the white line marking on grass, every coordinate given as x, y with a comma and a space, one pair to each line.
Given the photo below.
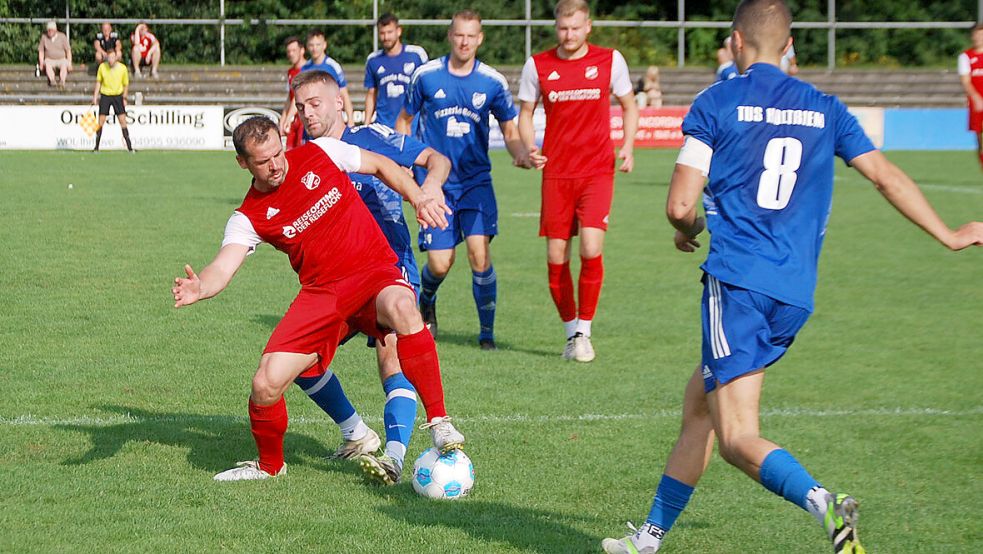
951, 188
29, 420
525, 214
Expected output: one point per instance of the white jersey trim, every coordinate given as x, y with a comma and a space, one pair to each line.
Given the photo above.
695, 154
429, 67
418, 50
347, 157
620, 79
529, 82
239, 230
373, 55
494, 74
963, 66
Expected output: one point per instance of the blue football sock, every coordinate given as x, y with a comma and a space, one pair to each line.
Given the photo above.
484, 286
428, 285
783, 475
670, 500
399, 415
325, 390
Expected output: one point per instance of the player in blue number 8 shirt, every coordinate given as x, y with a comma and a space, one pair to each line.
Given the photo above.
771, 140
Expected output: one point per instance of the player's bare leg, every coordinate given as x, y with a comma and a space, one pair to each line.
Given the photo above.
268, 414
686, 464
734, 408
439, 263
484, 287
396, 309
979, 148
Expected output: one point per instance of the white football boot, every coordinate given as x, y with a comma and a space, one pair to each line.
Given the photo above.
640, 541
351, 449
570, 350
445, 436
247, 471
583, 350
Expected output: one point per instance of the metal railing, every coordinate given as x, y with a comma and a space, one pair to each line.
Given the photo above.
681, 25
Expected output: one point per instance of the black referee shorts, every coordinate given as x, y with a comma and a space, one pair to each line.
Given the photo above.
115, 101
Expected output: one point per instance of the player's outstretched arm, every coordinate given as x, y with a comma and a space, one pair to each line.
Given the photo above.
212, 280
684, 195
430, 211
629, 117
908, 199
438, 168
527, 132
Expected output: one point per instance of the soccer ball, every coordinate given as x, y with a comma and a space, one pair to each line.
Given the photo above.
449, 476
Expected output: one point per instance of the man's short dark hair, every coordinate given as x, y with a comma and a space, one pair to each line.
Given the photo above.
305, 78
977, 28
763, 23
256, 129
387, 19
315, 33
292, 39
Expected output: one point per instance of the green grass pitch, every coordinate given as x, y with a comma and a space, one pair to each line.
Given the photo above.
116, 409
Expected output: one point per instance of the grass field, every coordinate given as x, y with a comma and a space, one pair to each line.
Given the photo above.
116, 409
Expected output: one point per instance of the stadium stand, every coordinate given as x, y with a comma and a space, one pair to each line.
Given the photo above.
266, 86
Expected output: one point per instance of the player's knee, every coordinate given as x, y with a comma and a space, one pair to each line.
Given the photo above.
732, 448
264, 391
439, 267
403, 314
480, 261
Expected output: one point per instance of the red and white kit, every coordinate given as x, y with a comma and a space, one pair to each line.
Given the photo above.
578, 180
334, 244
971, 63
147, 40
295, 137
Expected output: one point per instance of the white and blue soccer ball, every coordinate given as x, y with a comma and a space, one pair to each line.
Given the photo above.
448, 477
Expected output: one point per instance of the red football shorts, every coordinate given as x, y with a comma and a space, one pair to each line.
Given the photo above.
569, 204
319, 318
975, 120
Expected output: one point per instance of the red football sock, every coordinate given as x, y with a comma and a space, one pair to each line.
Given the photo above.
561, 288
418, 358
589, 285
269, 424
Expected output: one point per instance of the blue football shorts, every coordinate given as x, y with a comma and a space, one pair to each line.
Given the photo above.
743, 331
475, 213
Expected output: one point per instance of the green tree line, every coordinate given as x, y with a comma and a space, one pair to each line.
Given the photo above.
257, 44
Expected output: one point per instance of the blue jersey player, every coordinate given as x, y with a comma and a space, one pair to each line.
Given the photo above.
767, 143
452, 98
319, 106
388, 71
317, 46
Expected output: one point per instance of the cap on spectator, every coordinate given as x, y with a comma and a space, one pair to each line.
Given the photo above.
52, 25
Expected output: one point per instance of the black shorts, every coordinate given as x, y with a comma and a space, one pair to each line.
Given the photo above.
115, 101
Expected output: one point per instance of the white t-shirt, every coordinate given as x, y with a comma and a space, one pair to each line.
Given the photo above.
347, 157
962, 65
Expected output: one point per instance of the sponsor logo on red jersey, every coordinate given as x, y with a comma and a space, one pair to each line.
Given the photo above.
591, 72
313, 213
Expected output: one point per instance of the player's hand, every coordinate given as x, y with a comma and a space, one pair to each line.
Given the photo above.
431, 213
186, 290
687, 242
627, 157
285, 125
95, 100
970, 234
537, 158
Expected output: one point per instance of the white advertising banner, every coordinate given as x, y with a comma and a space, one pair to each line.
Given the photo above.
74, 128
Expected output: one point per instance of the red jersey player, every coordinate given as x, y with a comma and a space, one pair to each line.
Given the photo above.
971, 74
303, 204
292, 128
575, 81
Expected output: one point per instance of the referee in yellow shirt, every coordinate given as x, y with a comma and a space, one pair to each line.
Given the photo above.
112, 84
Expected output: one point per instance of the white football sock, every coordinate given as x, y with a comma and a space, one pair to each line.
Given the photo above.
583, 327
648, 536
570, 327
353, 428
397, 451
816, 503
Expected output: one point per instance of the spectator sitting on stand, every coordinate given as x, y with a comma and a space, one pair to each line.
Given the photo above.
649, 91
54, 53
146, 50
107, 40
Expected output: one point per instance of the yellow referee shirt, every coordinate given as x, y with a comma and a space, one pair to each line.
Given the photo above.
114, 79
